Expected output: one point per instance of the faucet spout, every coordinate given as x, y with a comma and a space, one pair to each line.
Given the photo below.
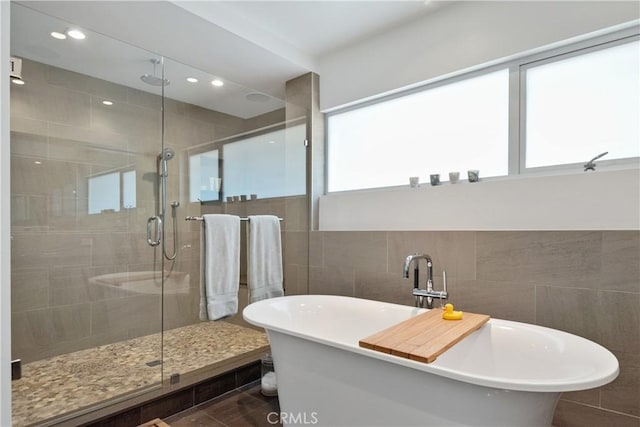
417, 257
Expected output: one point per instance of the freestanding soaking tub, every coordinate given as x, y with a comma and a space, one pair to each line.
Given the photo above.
505, 374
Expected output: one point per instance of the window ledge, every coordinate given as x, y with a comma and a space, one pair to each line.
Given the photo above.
605, 199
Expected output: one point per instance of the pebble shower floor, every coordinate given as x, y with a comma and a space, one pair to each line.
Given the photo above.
69, 382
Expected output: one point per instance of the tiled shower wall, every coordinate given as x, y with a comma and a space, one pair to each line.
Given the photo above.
57, 119
583, 282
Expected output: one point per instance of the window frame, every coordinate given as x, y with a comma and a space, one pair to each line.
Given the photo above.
199, 151
517, 66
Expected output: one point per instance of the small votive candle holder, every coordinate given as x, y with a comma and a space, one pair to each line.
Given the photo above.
474, 175
454, 177
414, 181
435, 179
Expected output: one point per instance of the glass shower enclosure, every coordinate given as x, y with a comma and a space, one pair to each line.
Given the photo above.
111, 148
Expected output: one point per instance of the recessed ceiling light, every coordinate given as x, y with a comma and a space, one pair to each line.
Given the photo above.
17, 81
57, 35
271, 142
257, 97
107, 102
37, 162
192, 80
76, 34
217, 82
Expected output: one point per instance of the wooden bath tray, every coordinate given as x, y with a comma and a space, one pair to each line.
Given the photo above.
425, 336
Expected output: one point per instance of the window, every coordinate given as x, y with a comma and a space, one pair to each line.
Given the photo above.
454, 127
204, 178
129, 189
111, 192
535, 112
268, 165
582, 106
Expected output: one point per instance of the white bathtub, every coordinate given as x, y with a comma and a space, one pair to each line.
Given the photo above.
505, 374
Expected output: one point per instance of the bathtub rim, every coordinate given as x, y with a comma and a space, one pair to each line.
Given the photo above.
528, 385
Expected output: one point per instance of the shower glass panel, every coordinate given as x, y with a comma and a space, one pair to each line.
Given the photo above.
86, 132
201, 120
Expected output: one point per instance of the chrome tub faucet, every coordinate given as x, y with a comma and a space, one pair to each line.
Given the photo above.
429, 293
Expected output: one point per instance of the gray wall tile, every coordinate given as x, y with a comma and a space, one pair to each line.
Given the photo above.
80, 82
34, 332
619, 321
388, 287
331, 281
356, 249
126, 313
500, 300
296, 247
29, 144
570, 310
621, 261
538, 257
316, 249
623, 394
29, 290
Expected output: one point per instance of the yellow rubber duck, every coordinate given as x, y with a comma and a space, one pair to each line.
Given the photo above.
449, 314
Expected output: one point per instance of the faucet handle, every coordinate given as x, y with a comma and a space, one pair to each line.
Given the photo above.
444, 282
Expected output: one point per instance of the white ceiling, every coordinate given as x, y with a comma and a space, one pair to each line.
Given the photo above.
321, 27
255, 46
313, 28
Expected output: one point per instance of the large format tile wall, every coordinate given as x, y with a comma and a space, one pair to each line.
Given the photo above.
58, 120
583, 282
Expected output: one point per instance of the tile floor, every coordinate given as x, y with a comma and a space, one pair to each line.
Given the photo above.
69, 382
246, 407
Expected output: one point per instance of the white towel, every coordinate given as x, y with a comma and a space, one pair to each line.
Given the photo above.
220, 266
264, 258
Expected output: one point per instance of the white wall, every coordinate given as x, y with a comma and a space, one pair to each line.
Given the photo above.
5, 223
602, 200
457, 37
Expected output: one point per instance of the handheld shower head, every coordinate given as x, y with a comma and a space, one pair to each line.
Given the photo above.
166, 155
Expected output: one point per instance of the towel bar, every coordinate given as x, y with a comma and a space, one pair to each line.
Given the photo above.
199, 218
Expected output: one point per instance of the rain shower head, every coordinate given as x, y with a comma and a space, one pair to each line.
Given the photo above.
152, 79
